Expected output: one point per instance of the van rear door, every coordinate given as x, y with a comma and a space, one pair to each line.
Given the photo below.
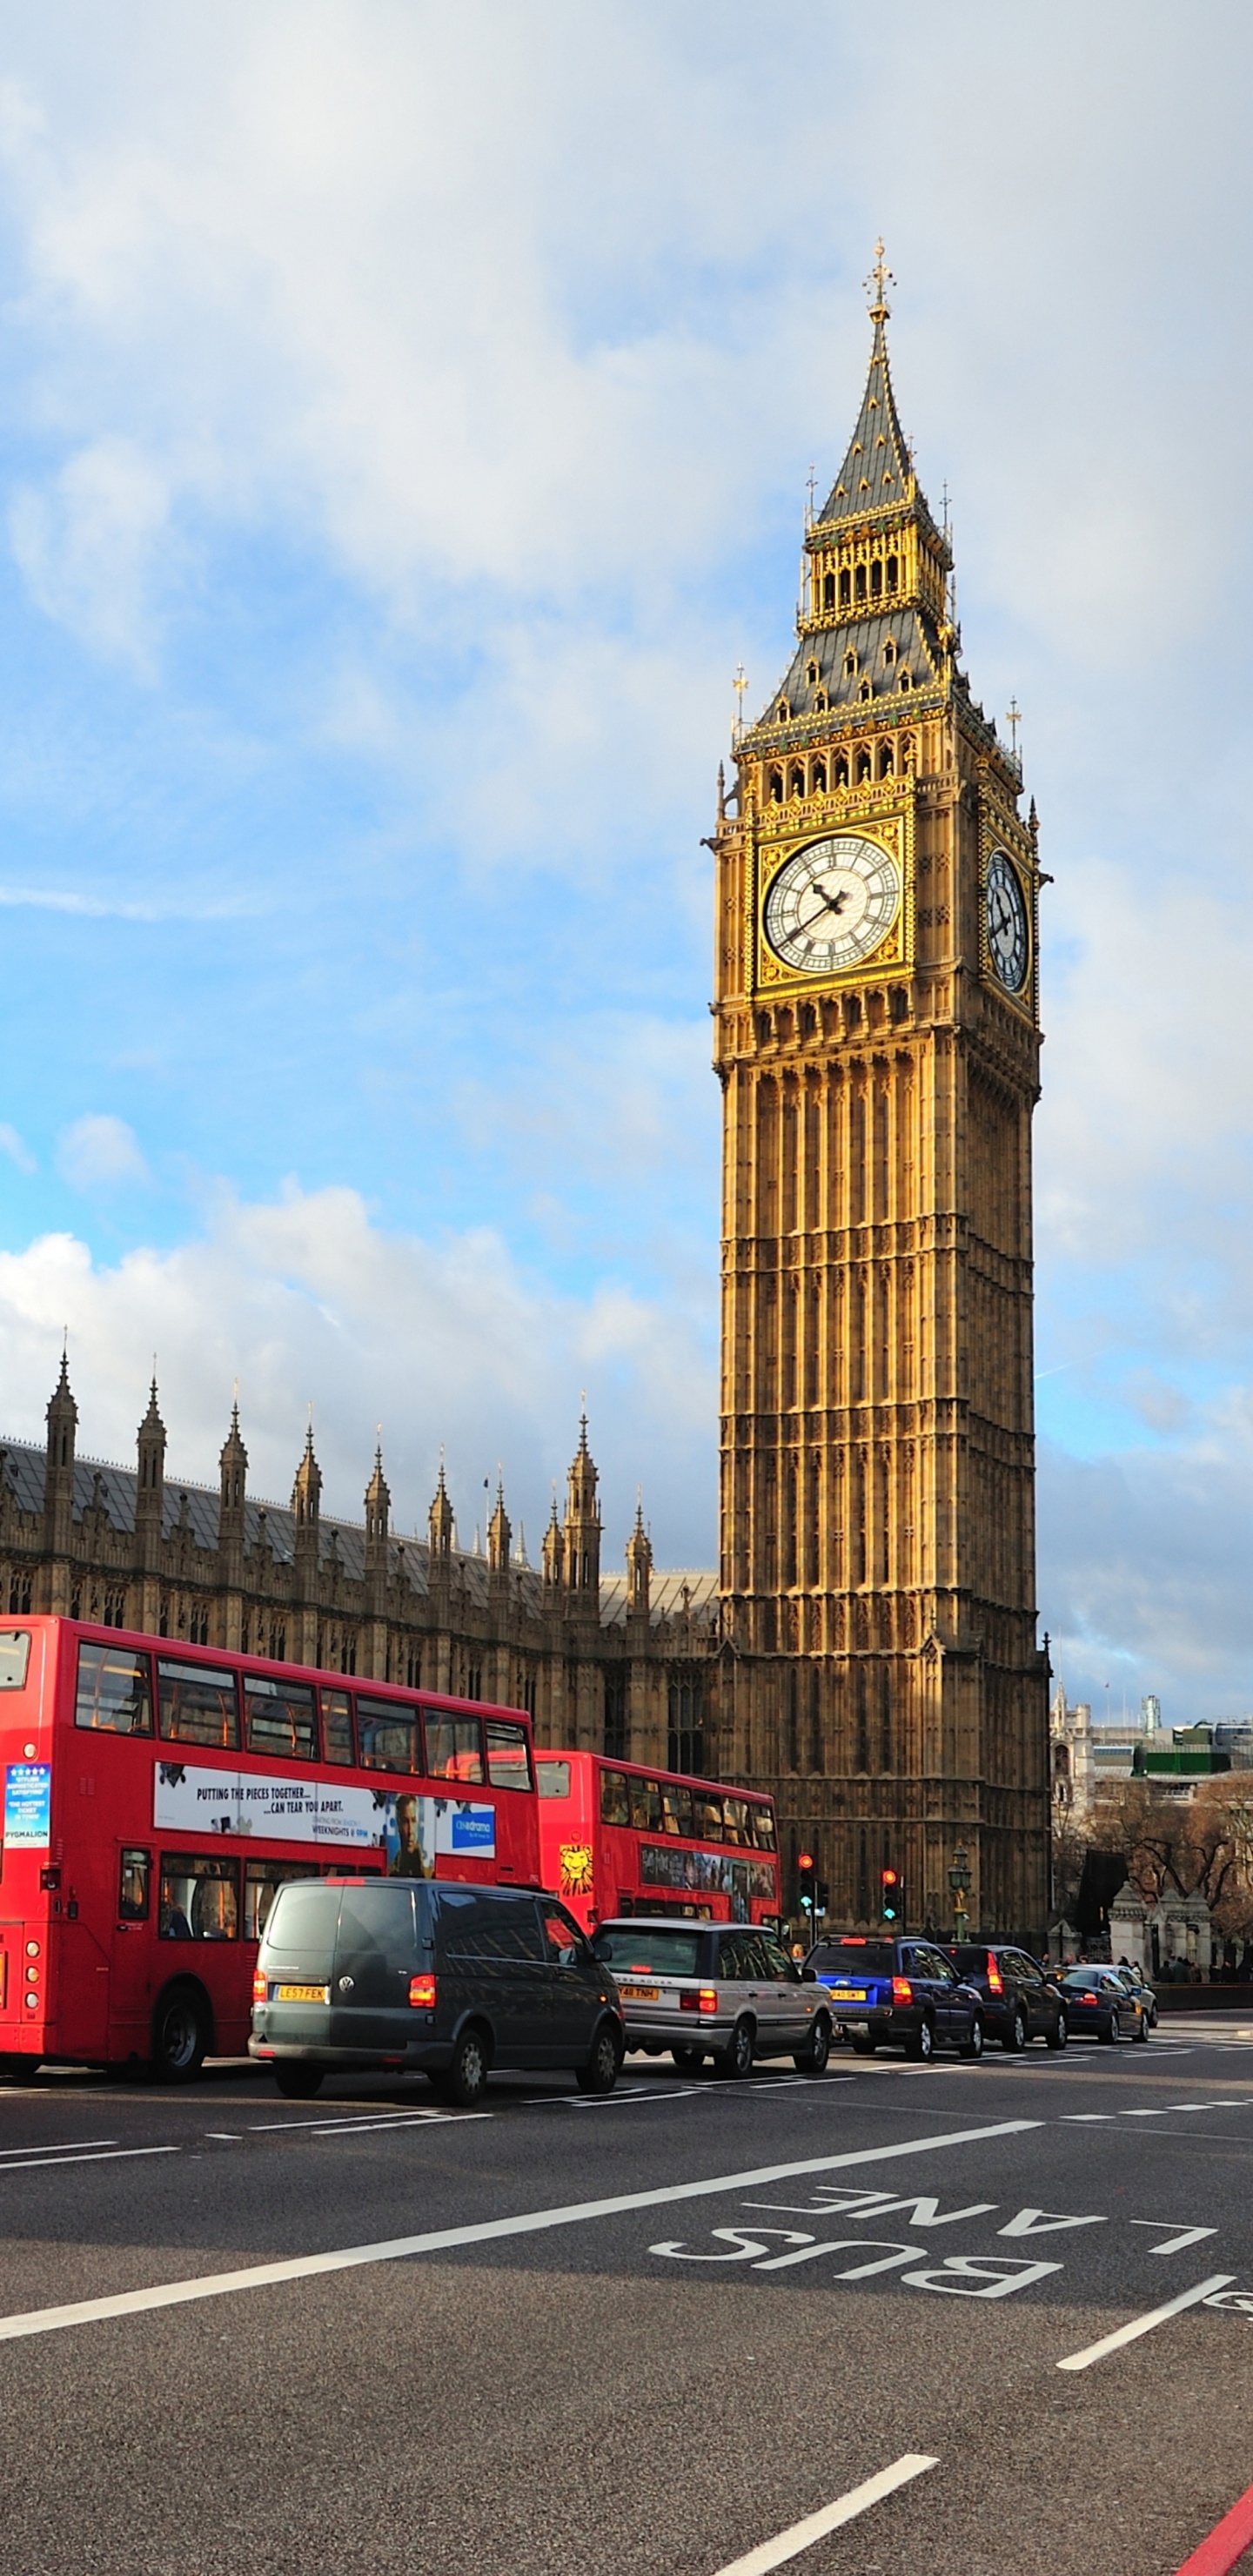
376, 1954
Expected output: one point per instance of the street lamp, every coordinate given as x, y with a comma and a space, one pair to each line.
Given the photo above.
959, 1881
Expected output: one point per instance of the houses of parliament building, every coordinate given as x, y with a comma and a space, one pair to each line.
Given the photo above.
867, 1647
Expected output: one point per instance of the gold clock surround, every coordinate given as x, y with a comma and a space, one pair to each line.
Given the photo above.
892, 831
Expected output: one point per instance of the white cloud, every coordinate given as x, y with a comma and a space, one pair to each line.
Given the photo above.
19, 1153
89, 542
443, 1341
98, 1151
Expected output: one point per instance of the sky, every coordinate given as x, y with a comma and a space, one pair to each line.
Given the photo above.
405, 423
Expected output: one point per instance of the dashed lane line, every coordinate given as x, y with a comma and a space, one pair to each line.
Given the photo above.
1137, 2326
54, 2164
831, 2517
257, 2276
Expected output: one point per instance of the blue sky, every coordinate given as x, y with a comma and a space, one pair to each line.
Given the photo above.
404, 425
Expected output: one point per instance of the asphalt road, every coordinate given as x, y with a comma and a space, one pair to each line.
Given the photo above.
671, 2325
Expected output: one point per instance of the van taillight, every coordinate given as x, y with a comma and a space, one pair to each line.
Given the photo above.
996, 1982
902, 1991
422, 1993
260, 1989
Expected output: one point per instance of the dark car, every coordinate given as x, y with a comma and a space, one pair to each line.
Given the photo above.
430, 1978
1099, 2006
902, 1993
1139, 1987
1019, 2004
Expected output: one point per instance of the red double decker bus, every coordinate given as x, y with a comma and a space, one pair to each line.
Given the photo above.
156, 1795
616, 1838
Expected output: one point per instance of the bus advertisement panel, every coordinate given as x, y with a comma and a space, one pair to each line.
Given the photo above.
157, 1794
618, 1839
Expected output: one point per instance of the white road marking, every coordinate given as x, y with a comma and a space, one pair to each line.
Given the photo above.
63, 2147
1173, 2244
626, 2101
802, 2535
374, 2120
1143, 2325
1085, 2119
225, 2137
257, 2276
53, 2164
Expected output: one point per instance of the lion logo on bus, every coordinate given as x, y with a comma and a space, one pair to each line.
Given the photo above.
576, 1869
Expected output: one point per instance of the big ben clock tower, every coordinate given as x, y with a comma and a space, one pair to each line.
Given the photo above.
878, 1048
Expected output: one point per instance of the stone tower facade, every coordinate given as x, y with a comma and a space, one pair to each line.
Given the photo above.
877, 1042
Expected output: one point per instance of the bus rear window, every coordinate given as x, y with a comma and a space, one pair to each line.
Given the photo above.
114, 1692
279, 1718
650, 1952
14, 1657
508, 1761
198, 1705
553, 1779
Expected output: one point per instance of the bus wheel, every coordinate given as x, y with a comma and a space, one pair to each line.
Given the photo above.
297, 2081
179, 2037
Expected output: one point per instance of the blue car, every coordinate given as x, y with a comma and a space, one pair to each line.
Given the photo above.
897, 1994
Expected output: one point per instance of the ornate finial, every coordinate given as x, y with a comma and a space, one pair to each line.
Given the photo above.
811, 488
739, 684
880, 278
1013, 720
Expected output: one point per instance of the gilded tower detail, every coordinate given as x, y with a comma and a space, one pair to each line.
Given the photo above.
877, 1042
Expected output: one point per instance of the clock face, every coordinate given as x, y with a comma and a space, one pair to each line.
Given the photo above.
831, 904
1009, 938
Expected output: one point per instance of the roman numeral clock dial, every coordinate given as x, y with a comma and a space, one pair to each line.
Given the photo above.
831, 904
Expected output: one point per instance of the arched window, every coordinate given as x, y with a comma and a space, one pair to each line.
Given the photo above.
887, 760
820, 702
783, 711
859, 582
863, 765
776, 787
812, 675
889, 651
798, 781
820, 778
841, 769
907, 756
864, 691
893, 572
850, 665
844, 588
828, 590
876, 580
904, 681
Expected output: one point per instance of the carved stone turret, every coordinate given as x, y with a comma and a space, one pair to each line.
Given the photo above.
150, 1484
499, 1536
639, 1561
581, 1535
58, 1512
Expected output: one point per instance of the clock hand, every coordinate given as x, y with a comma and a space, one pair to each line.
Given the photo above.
834, 903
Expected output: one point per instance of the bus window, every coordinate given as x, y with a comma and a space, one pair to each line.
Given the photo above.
684, 1823
199, 1897
113, 1690
763, 1827
390, 1738
553, 1779
279, 1718
707, 1814
453, 1747
336, 1726
198, 1705
735, 1820
262, 1881
508, 1760
646, 1805
132, 1895
14, 1657
615, 1803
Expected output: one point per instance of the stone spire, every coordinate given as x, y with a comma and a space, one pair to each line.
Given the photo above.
232, 1483
639, 1561
553, 1550
499, 1534
306, 1493
440, 1525
150, 1479
378, 1504
59, 1472
582, 1529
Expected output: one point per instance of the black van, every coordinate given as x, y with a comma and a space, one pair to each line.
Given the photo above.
441, 1979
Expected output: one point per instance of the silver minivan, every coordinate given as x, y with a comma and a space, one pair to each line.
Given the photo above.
722, 1990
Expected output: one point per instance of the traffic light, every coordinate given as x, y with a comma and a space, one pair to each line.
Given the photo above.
890, 1895
805, 1882
822, 1897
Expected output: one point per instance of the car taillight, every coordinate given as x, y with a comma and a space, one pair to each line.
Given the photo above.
1089, 1999
996, 1982
707, 1999
689, 1999
902, 1991
422, 1992
260, 1989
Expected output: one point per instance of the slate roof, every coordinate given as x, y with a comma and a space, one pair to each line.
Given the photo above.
908, 627
876, 473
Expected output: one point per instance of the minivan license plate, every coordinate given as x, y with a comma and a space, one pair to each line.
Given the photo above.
640, 1994
303, 1995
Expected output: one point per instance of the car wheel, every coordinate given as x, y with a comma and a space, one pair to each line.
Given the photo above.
922, 2044
298, 2082
813, 2059
973, 2047
179, 2037
1016, 2036
1112, 2032
1060, 2032
736, 2059
463, 2082
1142, 2028
864, 2047
687, 2058
601, 2071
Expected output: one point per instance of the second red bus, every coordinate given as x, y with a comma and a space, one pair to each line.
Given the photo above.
617, 1838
